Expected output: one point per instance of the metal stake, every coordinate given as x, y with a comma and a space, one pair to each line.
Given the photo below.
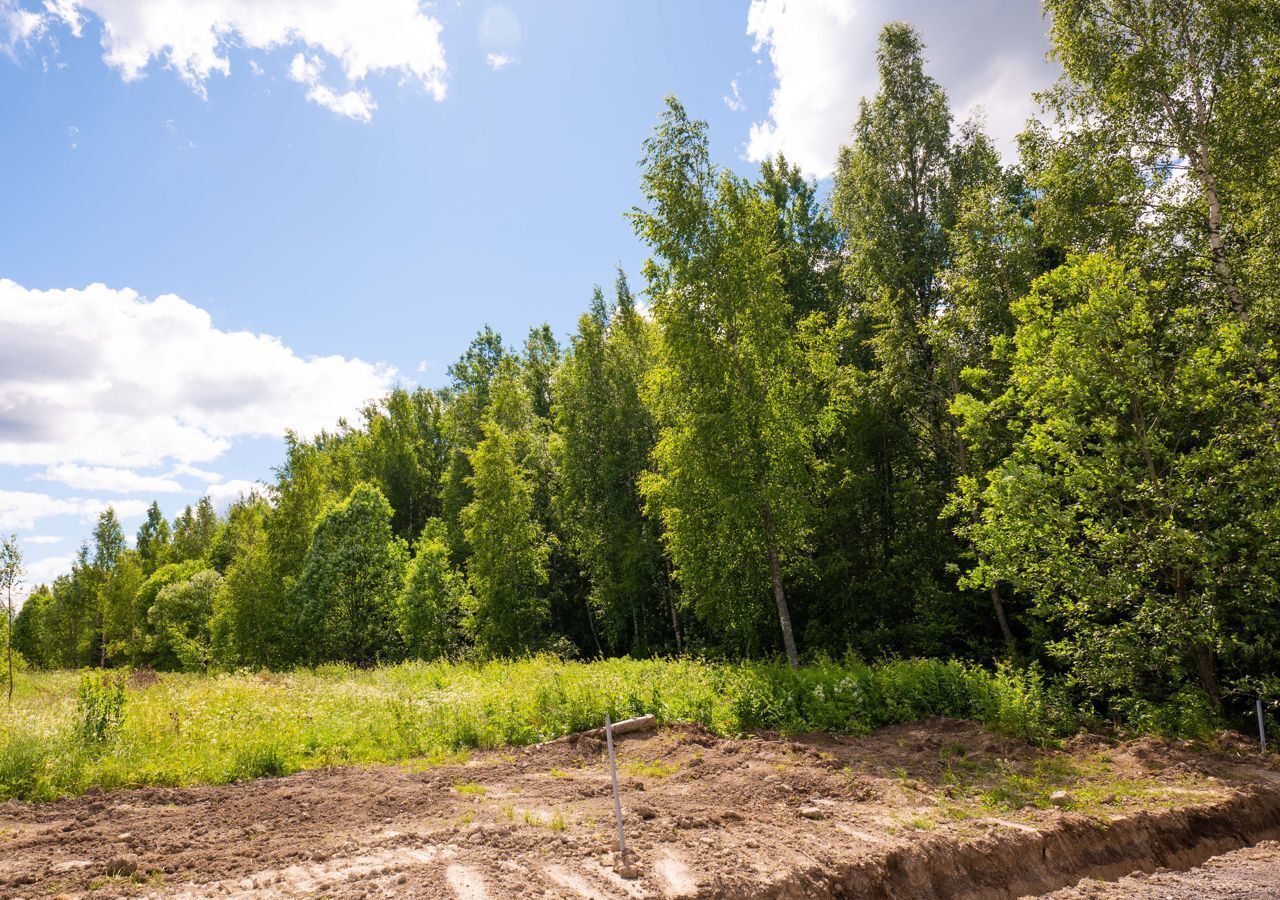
1262, 728
617, 798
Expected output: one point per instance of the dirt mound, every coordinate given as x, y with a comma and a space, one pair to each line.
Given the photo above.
143, 677
933, 809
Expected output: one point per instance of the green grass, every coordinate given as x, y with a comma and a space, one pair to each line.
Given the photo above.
189, 729
651, 768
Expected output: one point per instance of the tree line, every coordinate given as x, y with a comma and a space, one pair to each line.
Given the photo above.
955, 406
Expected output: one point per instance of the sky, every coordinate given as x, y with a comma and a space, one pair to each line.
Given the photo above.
225, 219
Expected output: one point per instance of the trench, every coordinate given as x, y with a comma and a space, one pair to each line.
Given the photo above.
1017, 864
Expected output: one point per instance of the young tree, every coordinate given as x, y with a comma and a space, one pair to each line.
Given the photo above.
404, 452
507, 568
33, 634
108, 547
431, 608
729, 386
349, 584
11, 572
605, 434
467, 400
1168, 87
153, 540
195, 531
251, 619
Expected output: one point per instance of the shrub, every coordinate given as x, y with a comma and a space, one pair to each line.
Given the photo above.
100, 706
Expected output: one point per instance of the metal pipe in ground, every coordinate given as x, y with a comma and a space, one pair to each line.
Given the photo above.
1262, 727
617, 797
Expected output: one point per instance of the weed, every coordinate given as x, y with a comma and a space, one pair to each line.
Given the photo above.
100, 706
470, 788
651, 768
259, 760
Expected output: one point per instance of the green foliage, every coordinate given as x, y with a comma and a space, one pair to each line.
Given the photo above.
729, 387
350, 581
507, 568
189, 729
606, 434
955, 408
100, 707
430, 610
180, 619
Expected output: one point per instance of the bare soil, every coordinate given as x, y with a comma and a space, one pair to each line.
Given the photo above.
1253, 872
935, 809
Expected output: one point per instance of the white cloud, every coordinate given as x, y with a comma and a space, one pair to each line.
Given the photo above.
42, 539
22, 26
307, 70
733, 99
498, 61
194, 472
367, 37
985, 53
103, 377
43, 571
223, 495
20, 510
108, 478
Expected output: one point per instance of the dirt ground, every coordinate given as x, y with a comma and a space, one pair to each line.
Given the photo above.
935, 809
1253, 872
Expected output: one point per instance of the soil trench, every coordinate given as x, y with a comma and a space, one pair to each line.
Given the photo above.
938, 808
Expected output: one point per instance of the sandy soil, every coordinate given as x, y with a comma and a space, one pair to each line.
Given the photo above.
905, 812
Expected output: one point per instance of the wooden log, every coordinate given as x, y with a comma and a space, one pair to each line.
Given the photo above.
626, 726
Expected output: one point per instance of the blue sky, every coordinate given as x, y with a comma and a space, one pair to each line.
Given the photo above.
290, 206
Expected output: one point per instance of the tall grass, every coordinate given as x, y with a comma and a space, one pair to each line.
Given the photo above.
187, 729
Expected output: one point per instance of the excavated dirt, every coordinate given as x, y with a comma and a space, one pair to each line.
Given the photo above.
1253, 872
934, 809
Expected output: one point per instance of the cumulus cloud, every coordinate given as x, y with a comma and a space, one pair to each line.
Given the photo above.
108, 478
498, 61
20, 510
42, 539
987, 54
43, 571
227, 493
365, 38
100, 378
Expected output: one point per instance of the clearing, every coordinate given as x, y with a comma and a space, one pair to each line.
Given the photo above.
938, 808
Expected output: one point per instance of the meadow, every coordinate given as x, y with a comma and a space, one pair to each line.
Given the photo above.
68, 731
